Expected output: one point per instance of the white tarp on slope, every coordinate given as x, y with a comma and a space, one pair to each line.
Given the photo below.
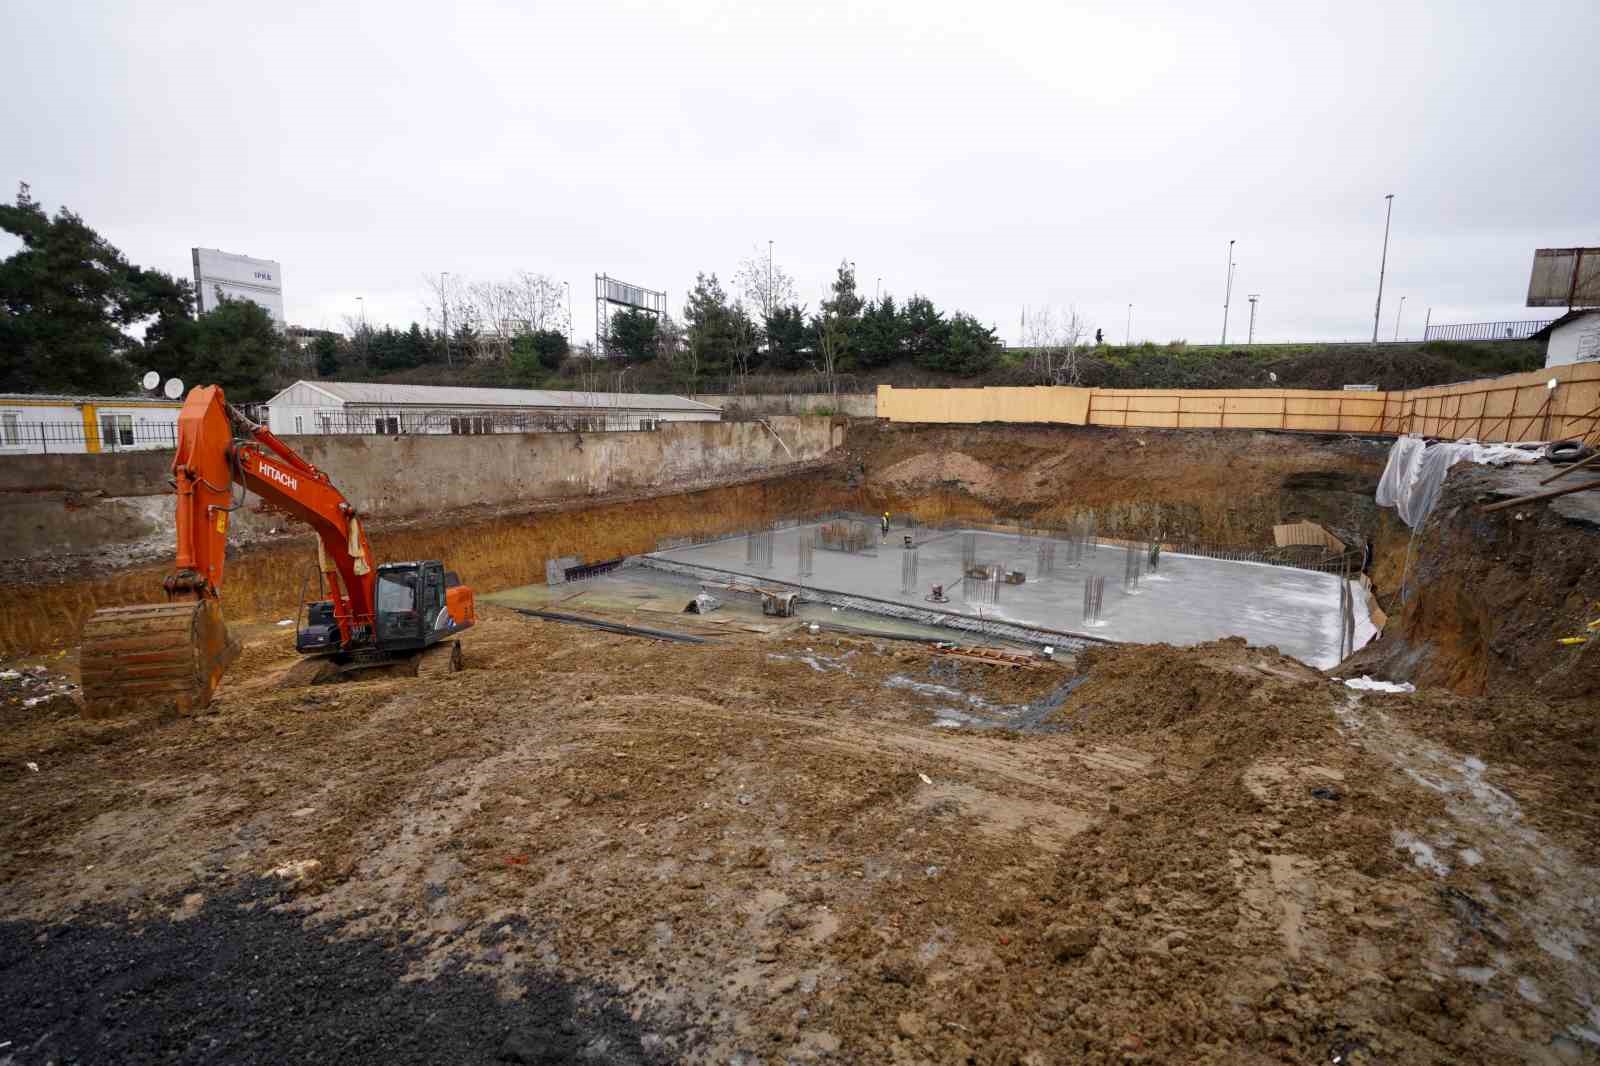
1415, 475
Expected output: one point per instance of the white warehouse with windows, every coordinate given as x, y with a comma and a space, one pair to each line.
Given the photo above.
355, 407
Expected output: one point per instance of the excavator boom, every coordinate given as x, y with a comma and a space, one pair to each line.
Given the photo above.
172, 655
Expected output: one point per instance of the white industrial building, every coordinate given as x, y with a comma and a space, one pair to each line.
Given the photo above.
220, 275
1572, 338
354, 407
74, 425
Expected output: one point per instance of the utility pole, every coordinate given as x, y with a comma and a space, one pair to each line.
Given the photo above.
877, 290
1253, 298
568, 286
1398, 312
1383, 265
444, 308
1127, 330
1228, 297
769, 281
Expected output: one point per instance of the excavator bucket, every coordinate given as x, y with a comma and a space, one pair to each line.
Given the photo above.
154, 658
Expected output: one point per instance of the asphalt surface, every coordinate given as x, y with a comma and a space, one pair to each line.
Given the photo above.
242, 983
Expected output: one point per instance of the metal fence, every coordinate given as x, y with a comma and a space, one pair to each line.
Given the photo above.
36, 438
1486, 331
394, 421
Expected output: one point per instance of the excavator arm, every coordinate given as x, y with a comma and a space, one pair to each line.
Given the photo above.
218, 447
174, 654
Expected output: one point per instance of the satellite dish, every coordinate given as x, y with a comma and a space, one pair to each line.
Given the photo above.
151, 379
174, 388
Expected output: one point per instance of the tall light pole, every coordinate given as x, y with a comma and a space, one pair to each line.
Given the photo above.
1228, 296
568, 286
769, 280
877, 290
1426, 322
1127, 330
1253, 298
1398, 312
362, 301
1383, 265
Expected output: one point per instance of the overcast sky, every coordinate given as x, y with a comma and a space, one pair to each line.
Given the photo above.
991, 155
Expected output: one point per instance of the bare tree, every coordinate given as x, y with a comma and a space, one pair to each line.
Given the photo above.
669, 339
764, 284
1053, 341
591, 371
538, 301
495, 304
744, 345
833, 334
444, 309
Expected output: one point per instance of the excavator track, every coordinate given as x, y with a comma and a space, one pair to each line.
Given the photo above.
154, 658
440, 660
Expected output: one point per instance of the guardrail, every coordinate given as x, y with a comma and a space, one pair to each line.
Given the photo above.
1486, 331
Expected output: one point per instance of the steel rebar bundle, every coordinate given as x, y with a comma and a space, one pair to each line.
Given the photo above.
1094, 589
846, 536
758, 549
805, 546
1075, 542
985, 589
908, 570
969, 552
1047, 558
1133, 566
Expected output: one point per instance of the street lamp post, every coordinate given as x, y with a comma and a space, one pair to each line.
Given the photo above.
1383, 265
1398, 312
1253, 298
1127, 330
568, 286
1228, 296
769, 280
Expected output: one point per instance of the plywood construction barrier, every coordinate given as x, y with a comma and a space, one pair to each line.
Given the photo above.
1519, 407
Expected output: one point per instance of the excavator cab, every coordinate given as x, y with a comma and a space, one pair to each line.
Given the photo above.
419, 604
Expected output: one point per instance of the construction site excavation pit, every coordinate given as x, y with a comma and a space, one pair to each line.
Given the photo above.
1038, 588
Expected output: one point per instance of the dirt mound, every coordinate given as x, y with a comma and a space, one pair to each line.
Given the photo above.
1209, 691
942, 468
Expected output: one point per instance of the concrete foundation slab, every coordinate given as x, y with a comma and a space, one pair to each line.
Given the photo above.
1188, 600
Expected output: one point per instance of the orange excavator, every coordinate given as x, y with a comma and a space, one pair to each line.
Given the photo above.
171, 656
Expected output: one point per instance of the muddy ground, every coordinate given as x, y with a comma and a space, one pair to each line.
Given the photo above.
761, 849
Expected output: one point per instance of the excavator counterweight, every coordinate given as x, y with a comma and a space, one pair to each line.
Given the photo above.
172, 656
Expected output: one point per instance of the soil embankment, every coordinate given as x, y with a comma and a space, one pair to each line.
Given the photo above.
1479, 602
1218, 488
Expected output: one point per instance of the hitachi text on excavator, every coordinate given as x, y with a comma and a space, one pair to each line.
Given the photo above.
171, 656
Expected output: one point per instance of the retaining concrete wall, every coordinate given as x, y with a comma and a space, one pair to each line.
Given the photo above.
117, 505
855, 405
